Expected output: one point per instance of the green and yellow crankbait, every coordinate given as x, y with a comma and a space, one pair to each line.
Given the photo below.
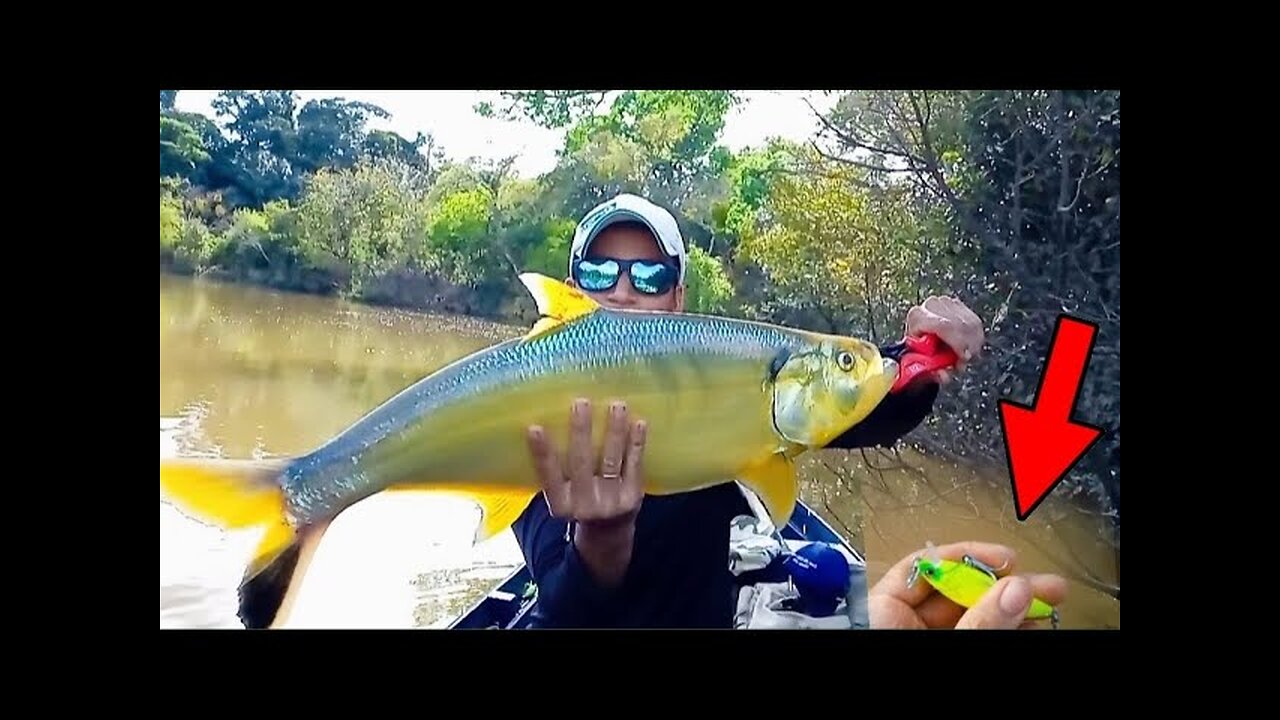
964, 582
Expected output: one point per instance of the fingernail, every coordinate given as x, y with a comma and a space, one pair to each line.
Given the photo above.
1016, 597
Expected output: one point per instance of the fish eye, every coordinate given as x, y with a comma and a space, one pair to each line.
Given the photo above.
845, 360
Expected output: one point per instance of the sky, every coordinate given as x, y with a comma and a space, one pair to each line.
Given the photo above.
449, 117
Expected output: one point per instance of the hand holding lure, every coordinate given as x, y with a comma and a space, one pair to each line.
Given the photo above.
965, 581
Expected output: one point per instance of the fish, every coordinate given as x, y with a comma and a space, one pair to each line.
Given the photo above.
965, 581
724, 399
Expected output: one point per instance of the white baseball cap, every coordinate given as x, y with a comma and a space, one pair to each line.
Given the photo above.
630, 207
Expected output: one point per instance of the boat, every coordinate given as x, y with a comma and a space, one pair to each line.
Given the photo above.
509, 606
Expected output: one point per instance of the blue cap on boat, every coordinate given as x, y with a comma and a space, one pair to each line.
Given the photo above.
821, 575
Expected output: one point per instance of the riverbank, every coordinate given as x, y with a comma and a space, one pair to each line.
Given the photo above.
401, 289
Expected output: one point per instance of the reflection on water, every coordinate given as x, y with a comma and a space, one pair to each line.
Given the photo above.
246, 372
445, 594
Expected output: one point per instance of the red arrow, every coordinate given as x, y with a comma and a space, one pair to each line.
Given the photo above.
1042, 442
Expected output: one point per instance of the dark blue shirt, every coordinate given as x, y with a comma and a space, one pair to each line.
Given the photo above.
679, 573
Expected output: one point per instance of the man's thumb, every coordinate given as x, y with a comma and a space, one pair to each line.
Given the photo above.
1004, 607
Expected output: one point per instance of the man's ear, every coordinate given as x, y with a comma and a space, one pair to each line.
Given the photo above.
679, 291
569, 281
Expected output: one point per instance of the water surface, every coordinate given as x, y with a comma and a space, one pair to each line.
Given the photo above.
248, 372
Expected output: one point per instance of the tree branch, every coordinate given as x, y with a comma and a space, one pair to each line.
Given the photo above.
857, 163
849, 139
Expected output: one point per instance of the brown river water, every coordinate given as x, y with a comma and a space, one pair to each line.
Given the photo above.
249, 372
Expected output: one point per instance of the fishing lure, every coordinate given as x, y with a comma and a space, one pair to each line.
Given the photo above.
917, 356
965, 581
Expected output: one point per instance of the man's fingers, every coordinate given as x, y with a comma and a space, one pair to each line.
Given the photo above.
894, 582
937, 611
1049, 588
953, 322
886, 613
581, 470
1003, 607
547, 465
615, 444
914, 316
633, 467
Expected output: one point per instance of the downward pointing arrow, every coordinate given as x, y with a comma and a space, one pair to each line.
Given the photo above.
1042, 442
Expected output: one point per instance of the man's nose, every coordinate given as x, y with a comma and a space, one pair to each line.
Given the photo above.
624, 293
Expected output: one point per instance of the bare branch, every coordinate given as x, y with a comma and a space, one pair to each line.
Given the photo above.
858, 164
849, 139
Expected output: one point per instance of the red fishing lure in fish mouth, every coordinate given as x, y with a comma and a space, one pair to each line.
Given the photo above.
917, 356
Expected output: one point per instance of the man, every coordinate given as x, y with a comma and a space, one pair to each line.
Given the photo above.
601, 552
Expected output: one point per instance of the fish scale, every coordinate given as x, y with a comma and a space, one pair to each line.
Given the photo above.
326, 479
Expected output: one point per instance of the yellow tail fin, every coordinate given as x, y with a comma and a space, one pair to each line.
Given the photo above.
233, 494
242, 494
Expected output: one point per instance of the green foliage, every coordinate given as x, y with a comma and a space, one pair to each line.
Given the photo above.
667, 135
458, 233
197, 246
548, 108
707, 286
181, 148
361, 223
551, 255
171, 219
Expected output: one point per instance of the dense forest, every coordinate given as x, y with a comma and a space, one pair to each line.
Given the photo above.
1009, 200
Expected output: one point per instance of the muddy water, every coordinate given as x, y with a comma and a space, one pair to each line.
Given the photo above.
909, 500
248, 372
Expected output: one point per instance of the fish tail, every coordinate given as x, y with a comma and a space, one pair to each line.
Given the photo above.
243, 494
270, 584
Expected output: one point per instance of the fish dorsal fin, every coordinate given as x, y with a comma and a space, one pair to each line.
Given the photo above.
558, 303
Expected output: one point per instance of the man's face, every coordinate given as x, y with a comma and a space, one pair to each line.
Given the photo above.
628, 243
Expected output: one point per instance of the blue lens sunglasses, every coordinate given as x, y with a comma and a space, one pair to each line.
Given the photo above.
651, 277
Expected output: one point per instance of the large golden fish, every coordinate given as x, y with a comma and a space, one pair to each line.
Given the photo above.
723, 399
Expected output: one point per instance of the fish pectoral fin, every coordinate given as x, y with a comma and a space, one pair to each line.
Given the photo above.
498, 510
558, 303
774, 481
499, 507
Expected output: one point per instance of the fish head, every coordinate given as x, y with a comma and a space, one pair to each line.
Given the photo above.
827, 386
